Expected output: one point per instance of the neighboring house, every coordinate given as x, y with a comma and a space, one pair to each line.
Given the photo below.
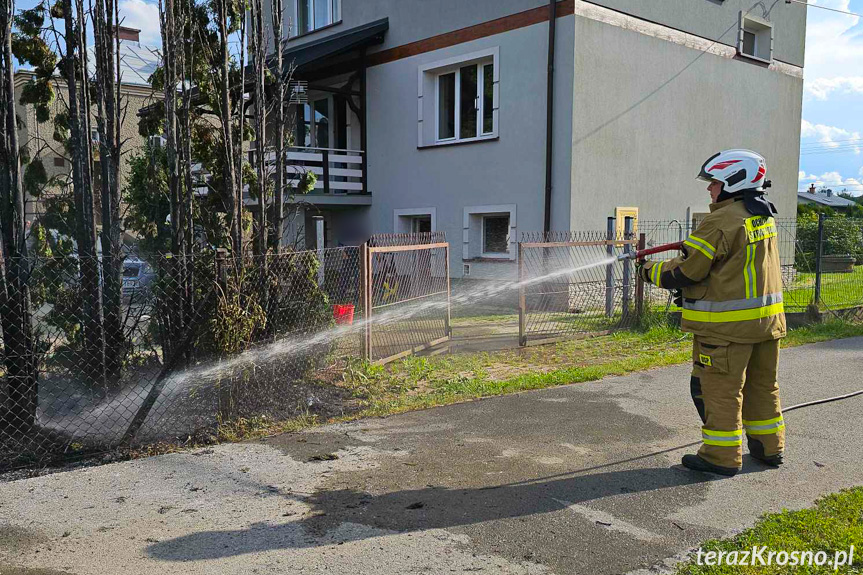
137, 63
826, 198
433, 115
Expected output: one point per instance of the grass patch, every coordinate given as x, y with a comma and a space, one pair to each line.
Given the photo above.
423, 382
833, 525
420, 382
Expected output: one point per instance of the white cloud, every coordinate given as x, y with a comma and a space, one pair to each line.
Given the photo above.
834, 47
828, 179
822, 88
829, 136
144, 16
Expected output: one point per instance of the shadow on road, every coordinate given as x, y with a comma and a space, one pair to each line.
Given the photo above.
431, 507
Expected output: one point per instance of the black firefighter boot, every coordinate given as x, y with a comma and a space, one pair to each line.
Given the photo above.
695, 463
756, 450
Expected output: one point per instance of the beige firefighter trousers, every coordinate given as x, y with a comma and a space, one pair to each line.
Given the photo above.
735, 390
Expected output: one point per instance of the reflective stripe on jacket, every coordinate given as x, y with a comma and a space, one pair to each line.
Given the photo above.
733, 261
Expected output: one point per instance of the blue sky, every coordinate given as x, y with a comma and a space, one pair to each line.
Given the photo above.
832, 130
832, 127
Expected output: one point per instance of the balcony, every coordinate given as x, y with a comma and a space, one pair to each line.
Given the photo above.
341, 176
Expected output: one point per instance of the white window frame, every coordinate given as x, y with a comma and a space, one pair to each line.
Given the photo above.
499, 255
488, 210
762, 30
479, 102
433, 71
410, 214
335, 11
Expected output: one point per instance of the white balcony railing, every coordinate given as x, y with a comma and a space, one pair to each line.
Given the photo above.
338, 171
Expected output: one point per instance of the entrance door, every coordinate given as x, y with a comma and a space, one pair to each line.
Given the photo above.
316, 121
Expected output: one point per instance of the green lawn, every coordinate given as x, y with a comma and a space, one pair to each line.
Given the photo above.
837, 290
831, 527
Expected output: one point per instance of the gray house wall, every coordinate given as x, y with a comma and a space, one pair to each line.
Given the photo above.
717, 20
645, 91
642, 126
509, 170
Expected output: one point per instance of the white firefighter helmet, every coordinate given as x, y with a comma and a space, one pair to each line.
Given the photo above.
738, 170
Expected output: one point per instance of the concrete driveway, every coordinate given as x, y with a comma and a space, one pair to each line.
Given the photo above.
577, 479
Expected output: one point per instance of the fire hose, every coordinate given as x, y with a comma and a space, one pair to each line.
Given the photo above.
641, 254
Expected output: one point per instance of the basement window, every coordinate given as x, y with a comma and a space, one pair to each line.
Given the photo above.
495, 235
755, 39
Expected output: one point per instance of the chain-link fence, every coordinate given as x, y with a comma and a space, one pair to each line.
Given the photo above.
203, 340
572, 283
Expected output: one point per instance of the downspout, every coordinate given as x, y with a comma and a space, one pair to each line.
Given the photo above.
549, 120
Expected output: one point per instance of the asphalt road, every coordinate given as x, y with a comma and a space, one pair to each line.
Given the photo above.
577, 479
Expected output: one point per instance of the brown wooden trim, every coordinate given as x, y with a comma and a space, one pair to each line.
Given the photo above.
490, 28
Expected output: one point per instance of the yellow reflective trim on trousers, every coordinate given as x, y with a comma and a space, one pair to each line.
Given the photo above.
762, 421
732, 316
702, 248
736, 433
730, 443
765, 431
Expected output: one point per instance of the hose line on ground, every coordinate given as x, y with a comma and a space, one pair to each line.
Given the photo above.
825, 400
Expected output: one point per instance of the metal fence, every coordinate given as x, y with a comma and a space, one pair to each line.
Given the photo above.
408, 298
571, 283
203, 342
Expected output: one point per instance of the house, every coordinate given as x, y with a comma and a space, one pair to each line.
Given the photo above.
824, 198
446, 116
137, 63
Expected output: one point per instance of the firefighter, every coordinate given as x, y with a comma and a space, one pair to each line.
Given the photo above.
731, 283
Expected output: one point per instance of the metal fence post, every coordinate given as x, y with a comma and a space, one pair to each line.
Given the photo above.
222, 267
609, 269
639, 283
448, 295
818, 257
627, 266
319, 245
366, 301
522, 299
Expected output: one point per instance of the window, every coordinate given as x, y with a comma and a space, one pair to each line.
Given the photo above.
414, 220
316, 124
59, 162
495, 235
755, 38
458, 99
465, 102
311, 15
488, 232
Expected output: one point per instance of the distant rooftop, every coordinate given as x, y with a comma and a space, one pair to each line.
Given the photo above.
831, 200
137, 61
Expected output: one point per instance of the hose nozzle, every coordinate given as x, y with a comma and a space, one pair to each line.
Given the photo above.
637, 255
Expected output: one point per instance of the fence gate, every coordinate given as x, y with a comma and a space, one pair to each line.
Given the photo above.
570, 283
406, 295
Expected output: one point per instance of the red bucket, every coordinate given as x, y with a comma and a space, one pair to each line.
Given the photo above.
343, 314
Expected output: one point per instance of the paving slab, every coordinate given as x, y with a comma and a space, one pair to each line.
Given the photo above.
575, 479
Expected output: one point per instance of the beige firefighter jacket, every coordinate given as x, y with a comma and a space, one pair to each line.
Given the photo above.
733, 257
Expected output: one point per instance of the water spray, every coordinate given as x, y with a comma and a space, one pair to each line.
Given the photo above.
641, 254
